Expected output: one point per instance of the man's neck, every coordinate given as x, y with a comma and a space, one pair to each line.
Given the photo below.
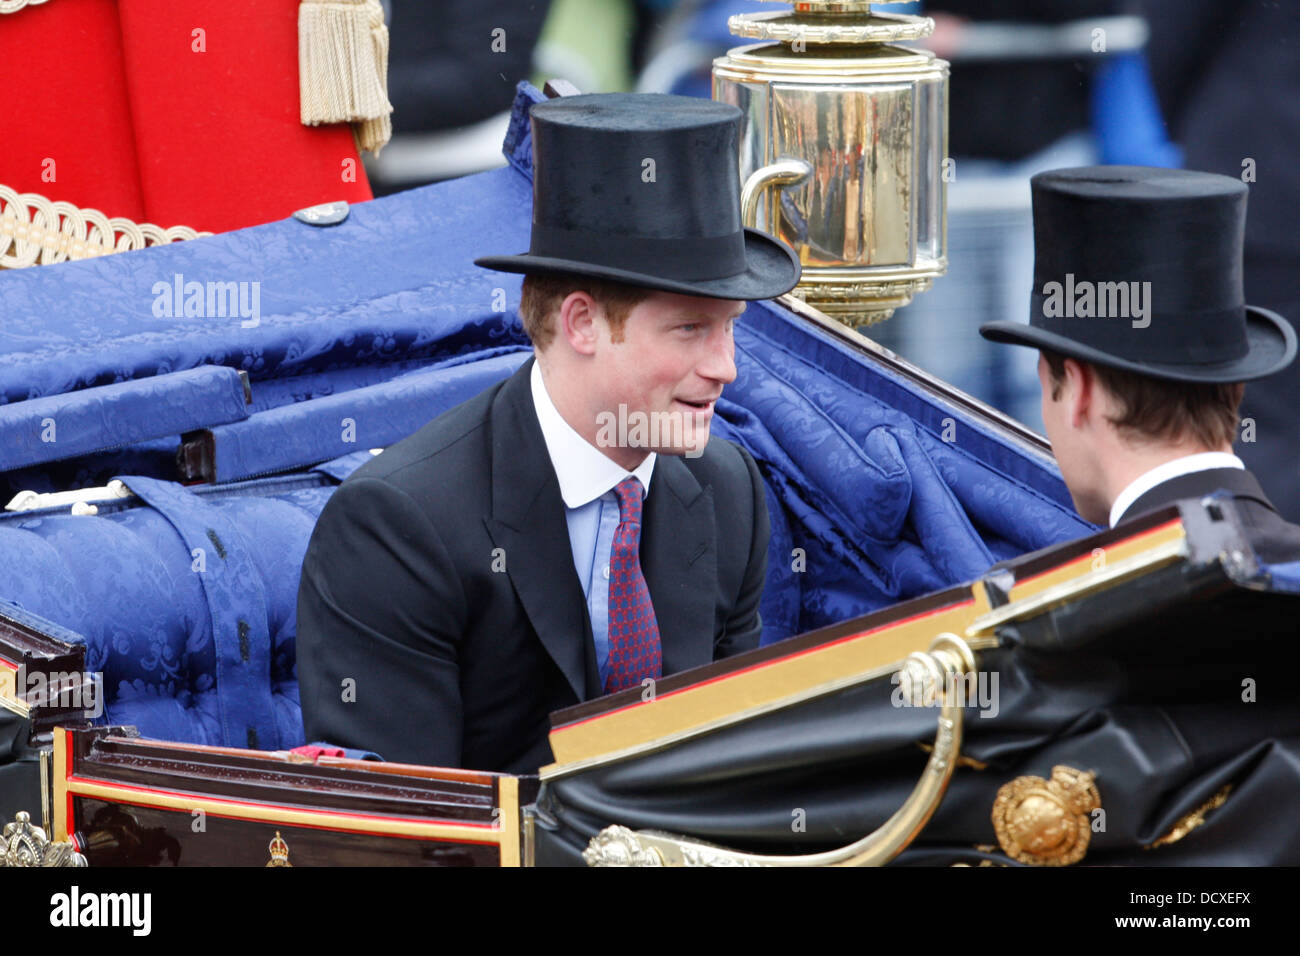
582, 421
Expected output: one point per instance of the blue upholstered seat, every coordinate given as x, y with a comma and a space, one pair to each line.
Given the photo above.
156, 611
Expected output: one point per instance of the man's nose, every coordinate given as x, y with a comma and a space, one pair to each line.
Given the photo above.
720, 364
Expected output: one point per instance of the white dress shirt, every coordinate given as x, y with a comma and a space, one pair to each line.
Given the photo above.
1204, 461
587, 479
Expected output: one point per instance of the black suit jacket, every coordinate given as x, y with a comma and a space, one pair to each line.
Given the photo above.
440, 617
1273, 538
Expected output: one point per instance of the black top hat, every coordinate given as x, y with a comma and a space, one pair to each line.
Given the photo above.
645, 189
1140, 269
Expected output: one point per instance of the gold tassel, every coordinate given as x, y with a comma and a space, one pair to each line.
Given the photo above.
343, 68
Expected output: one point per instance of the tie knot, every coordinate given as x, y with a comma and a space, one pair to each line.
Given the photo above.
629, 499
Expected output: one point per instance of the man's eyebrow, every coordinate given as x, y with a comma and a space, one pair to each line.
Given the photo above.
739, 312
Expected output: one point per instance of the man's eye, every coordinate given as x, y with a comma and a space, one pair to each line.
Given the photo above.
690, 326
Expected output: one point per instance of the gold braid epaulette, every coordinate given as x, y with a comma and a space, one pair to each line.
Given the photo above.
13, 6
36, 231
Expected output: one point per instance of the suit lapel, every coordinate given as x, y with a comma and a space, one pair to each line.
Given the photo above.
679, 560
528, 523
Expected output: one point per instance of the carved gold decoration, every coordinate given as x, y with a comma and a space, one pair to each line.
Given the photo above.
844, 300
27, 845
1046, 822
37, 231
279, 851
948, 659
787, 27
619, 846
1193, 820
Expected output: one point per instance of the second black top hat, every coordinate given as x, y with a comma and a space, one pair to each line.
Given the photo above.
644, 189
1165, 246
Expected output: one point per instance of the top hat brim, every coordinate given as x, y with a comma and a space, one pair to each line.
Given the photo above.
771, 269
1272, 347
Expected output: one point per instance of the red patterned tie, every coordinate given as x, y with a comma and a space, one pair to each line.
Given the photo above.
634, 652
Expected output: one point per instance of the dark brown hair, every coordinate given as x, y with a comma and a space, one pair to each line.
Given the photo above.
1158, 410
542, 295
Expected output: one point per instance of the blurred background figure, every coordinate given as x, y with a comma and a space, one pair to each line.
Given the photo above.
1228, 77
452, 71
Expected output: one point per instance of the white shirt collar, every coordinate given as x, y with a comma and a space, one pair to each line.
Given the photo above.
584, 471
1158, 475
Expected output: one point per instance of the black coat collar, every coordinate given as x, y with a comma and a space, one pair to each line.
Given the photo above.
1236, 481
678, 554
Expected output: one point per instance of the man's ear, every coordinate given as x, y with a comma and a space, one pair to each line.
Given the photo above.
1080, 388
577, 324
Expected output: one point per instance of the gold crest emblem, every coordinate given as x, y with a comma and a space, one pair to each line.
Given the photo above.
279, 851
1046, 822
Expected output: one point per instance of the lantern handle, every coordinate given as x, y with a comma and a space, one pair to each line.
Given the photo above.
783, 173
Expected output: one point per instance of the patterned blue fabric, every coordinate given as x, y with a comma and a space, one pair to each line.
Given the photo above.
155, 456
877, 492
156, 618
372, 416
518, 145
45, 429
222, 562
392, 283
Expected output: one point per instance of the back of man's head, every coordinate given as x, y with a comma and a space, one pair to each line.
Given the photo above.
1150, 411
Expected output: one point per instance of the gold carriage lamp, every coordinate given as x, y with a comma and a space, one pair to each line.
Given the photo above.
861, 125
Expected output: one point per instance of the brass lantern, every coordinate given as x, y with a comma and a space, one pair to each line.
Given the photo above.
856, 128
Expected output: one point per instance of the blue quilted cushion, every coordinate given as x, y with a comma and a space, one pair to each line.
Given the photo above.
144, 600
